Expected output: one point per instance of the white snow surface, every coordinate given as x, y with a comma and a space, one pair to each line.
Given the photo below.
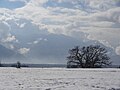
59, 79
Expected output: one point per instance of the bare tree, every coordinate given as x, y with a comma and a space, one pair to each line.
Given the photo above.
1, 64
88, 57
18, 65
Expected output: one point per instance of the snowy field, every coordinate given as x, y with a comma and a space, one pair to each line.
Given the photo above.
59, 79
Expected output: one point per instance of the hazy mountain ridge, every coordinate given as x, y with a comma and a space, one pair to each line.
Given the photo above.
7, 54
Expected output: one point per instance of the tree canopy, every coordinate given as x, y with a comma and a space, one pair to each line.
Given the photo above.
88, 57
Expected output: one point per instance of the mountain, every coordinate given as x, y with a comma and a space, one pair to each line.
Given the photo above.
6, 54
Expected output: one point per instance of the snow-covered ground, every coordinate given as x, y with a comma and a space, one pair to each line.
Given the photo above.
59, 79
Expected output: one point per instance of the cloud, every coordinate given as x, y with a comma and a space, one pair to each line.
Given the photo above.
112, 15
10, 38
118, 50
21, 25
11, 46
4, 30
104, 26
39, 40
24, 50
35, 42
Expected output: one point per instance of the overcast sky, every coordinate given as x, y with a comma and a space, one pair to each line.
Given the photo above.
44, 30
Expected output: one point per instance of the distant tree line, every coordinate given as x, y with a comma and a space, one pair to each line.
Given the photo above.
1, 64
17, 65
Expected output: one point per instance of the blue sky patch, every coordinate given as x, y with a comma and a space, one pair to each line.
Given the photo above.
11, 5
